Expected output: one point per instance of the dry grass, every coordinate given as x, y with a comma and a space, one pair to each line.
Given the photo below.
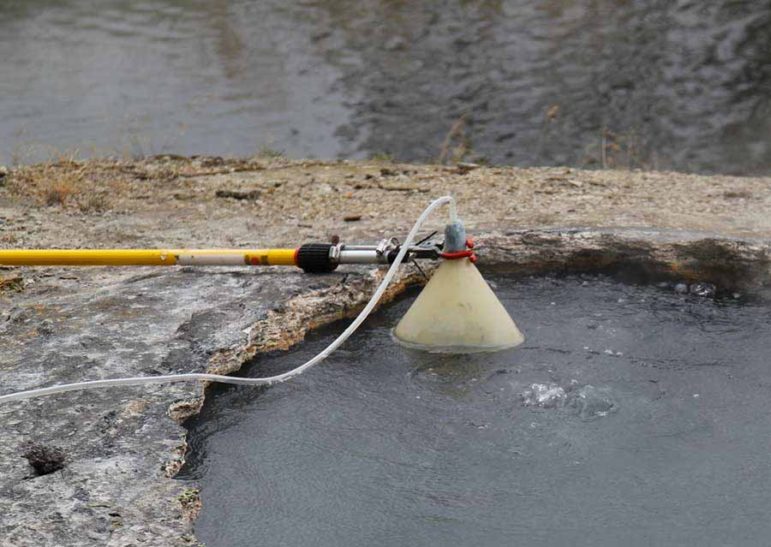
70, 184
12, 283
58, 194
97, 186
456, 145
62, 185
53, 184
621, 151
94, 203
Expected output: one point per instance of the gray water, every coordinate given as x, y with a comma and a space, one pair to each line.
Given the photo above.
632, 415
680, 84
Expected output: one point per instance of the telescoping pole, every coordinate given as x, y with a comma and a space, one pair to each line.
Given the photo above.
311, 257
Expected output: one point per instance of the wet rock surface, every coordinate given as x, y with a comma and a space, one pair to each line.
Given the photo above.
123, 446
587, 401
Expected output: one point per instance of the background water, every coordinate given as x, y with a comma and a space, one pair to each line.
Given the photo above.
681, 84
630, 416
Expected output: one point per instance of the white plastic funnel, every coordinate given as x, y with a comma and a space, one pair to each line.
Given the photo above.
457, 312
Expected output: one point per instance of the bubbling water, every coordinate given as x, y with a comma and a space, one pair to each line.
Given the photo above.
631, 414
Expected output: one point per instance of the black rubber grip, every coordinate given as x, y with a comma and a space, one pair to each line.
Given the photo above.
314, 258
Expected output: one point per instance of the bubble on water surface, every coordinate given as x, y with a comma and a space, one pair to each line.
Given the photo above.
590, 402
543, 395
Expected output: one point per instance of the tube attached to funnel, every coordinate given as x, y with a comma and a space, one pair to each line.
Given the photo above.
457, 311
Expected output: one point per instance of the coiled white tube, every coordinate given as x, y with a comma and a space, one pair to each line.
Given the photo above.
141, 380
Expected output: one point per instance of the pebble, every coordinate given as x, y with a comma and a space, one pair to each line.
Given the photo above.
706, 290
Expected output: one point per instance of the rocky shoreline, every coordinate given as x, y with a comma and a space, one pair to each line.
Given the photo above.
122, 447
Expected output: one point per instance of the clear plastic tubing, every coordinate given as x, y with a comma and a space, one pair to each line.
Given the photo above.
193, 377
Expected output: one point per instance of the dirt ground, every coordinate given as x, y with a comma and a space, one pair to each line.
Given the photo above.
181, 202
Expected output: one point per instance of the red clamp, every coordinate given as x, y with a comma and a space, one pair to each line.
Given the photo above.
457, 255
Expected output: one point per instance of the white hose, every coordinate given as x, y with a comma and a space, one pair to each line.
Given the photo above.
141, 380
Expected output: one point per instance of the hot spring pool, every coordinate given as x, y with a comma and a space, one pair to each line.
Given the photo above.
631, 414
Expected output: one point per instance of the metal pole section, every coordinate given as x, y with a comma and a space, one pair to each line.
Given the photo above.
361, 255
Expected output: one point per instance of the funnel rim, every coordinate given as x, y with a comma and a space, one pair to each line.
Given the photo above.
457, 349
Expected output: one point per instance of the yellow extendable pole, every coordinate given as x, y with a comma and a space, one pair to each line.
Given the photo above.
147, 257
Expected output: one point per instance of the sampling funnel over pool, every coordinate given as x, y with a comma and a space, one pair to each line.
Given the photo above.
457, 311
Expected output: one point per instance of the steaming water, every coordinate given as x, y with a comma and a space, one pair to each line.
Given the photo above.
631, 415
679, 84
